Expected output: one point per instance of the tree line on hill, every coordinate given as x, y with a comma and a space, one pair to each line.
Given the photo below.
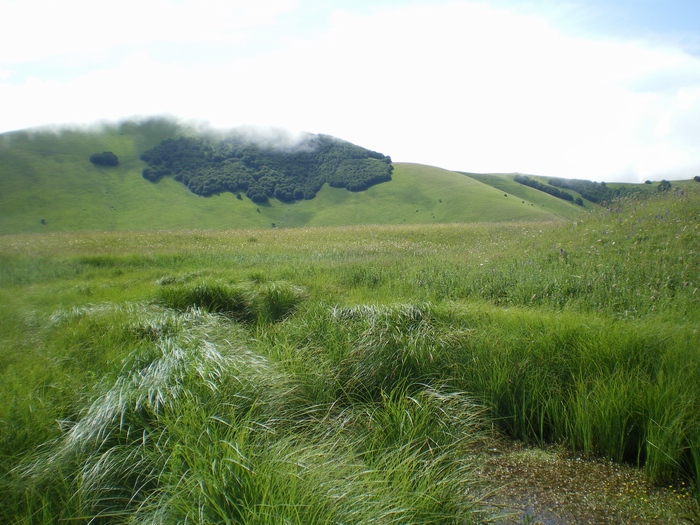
597, 192
208, 166
552, 190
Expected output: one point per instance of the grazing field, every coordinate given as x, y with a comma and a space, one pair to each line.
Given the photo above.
346, 374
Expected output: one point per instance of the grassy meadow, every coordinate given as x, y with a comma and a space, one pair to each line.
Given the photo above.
341, 374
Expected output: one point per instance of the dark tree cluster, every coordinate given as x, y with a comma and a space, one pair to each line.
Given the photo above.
106, 158
556, 192
664, 185
359, 174
597, 192
208, 166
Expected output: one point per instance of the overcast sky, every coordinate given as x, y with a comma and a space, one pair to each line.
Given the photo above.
597, 89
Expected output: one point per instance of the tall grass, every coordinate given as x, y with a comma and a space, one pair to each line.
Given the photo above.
196, 427
248, 301
340, 375
626, 390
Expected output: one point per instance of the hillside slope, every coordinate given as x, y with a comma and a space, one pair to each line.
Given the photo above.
47, 184
422, 194
505, 182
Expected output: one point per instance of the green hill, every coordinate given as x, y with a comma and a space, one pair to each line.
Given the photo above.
48, 184
505, 182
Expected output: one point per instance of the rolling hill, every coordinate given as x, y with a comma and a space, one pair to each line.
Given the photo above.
48, 184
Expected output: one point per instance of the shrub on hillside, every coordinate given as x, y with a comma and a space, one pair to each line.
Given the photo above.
106, 158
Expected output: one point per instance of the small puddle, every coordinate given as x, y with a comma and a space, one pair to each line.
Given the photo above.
552, 487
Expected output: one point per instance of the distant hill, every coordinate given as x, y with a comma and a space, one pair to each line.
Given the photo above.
49, 184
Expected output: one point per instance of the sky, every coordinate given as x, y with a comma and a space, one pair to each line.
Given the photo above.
595, 89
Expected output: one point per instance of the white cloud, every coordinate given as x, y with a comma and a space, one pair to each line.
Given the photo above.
462, 86
467, 87
33, 30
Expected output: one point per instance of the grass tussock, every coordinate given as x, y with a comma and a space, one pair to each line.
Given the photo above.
247, 302
196, 429
388, 346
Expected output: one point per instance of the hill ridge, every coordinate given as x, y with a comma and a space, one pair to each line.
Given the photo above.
48, 184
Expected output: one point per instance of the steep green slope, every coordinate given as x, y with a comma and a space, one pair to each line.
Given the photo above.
418, 194
505, 182
47, 184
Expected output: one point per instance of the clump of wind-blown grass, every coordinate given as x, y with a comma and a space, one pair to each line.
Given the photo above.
197, 429
246, 301
391, 345
110, 447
